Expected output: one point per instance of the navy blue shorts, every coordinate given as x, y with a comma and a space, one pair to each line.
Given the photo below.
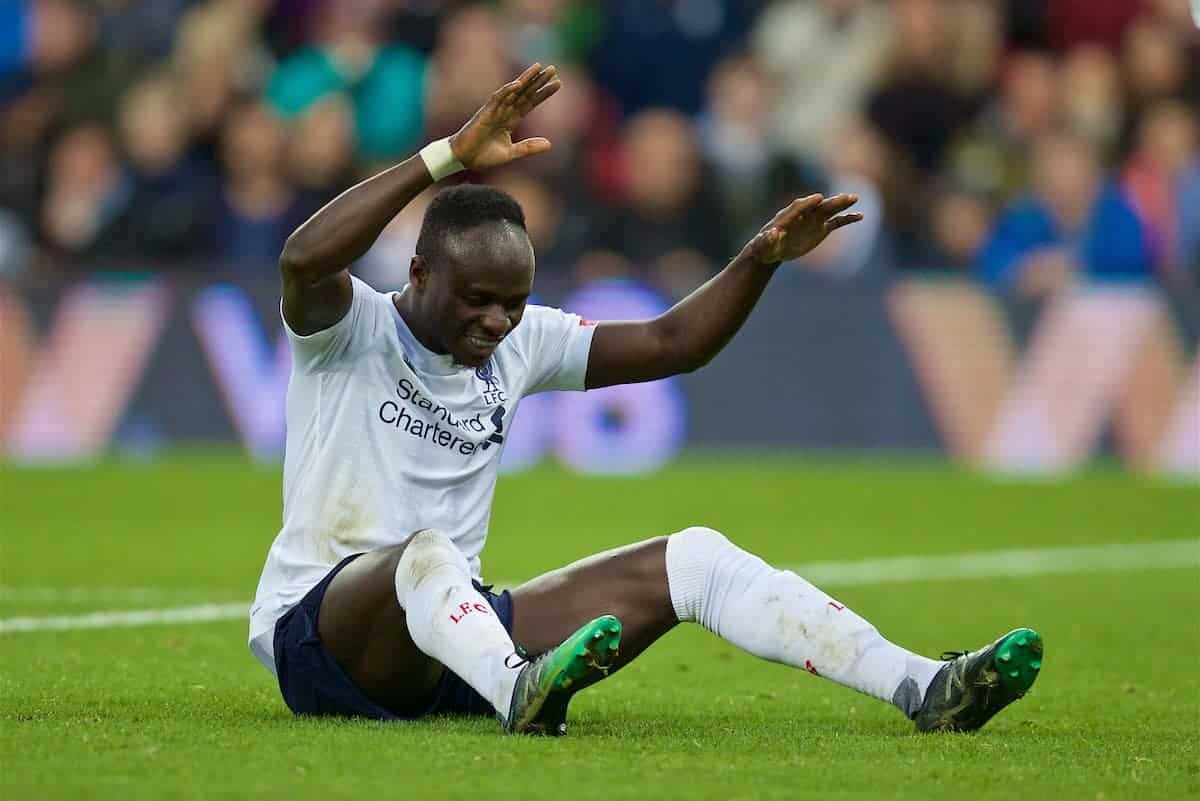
313, 683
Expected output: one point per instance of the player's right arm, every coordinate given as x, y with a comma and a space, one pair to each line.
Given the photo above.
314, 264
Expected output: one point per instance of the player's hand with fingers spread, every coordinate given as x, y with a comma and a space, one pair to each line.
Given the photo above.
486, 140
799, 227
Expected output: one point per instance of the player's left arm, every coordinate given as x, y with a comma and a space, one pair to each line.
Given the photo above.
695, 330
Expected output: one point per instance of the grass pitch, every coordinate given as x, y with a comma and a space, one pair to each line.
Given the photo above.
184, 711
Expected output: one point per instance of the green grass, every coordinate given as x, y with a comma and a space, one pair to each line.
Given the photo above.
165, 712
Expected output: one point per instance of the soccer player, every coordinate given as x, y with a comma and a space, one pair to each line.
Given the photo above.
370, 603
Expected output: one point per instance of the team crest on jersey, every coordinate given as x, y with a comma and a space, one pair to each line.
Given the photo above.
492, 393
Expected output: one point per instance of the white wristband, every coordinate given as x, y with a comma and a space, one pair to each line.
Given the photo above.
439, 159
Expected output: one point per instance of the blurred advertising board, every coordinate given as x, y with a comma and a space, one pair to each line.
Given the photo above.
925, 366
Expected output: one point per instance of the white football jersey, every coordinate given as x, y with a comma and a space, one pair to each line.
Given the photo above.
385, 437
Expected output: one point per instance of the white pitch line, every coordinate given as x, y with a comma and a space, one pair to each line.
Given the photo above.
1002, 564
103, 595
970, 565
203, 613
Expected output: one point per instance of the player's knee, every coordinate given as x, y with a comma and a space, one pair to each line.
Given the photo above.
427, 551
697, 545
692, 558
701, 538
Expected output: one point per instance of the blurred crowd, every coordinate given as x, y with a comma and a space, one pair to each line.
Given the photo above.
1028, 143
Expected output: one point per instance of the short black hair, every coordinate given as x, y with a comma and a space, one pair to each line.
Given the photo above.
460, 208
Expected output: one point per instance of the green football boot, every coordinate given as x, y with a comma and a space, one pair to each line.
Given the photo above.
974, 686
545, 685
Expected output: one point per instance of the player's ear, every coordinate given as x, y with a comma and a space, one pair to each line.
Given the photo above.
418, 272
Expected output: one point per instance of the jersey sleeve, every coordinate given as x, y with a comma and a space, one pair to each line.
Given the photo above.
361, 328
556, 346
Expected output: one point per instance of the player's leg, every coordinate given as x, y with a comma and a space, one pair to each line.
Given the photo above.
395, 619
364, 628
629, 583
699, 576
780, 616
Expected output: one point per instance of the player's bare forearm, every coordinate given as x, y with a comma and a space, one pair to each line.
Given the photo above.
695, 330
317, 290
686, 337
313, 265
346, 227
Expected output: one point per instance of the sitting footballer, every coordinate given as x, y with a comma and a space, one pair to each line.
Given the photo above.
371, 603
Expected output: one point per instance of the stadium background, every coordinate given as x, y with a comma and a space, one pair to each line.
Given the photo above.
1022, 295
156, 153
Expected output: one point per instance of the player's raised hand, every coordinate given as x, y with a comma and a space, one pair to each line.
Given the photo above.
800, 226
486, 140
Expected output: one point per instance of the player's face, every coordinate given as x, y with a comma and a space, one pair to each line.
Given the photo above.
478, 298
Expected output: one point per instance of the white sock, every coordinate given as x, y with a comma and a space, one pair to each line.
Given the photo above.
450, 621
776, 615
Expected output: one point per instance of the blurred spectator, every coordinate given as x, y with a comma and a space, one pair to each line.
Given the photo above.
24, 130
1090, 92
84, 81
216, 57
822, 59
320, 156
959, 224
558, 31
581, 165
58, 34
1163, 182
386, 82
136, 128
1174, 12
558, 232
535, 32
659, 54
668, 209
752, 179
860, 165
1155, 61
87, 194
144, 27
973, 60
918, 106
472, 58
173, 193
991, 156
1076, 223
258, 208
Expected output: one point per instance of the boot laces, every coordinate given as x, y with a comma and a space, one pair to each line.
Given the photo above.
518, 658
